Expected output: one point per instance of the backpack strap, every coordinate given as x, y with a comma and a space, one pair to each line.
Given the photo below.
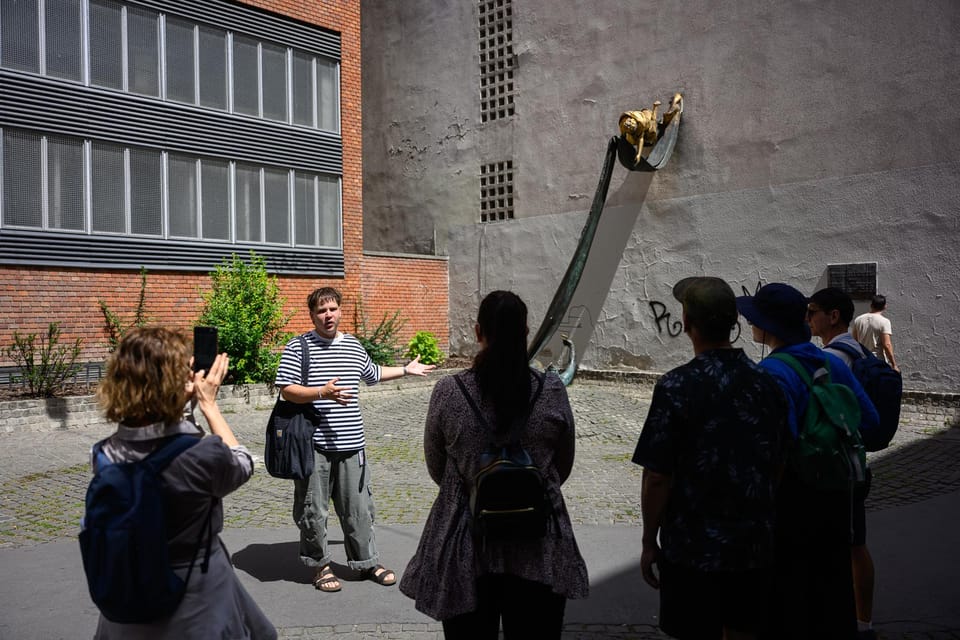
100, 459
476, 409
164, 455
472, 403
850, 350
801, 370
158, 461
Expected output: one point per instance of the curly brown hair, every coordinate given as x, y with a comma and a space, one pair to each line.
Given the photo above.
146, 378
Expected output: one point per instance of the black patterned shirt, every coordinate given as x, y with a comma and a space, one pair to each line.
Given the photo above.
716, 426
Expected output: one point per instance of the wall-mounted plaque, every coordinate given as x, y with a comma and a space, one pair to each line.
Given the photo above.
858, 280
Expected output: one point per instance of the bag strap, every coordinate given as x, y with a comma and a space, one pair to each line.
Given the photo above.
476, 409
208, 528
164, 455
157, 460
848, 349
304, 360
800, 370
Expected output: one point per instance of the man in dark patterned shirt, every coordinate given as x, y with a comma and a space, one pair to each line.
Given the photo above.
711, 451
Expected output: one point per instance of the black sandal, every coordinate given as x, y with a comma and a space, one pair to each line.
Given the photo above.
381, 575
324, 581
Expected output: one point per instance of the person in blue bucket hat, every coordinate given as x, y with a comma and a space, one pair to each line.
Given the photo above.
814, 584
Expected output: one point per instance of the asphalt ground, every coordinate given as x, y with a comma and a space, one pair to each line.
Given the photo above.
913, 528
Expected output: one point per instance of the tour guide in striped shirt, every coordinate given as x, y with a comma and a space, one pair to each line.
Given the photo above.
337, 365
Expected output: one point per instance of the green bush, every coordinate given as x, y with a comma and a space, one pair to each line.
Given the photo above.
245, 305
44, 366
381, 343
424, 344
116, 328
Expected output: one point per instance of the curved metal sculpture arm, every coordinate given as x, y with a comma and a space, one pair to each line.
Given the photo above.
568, 285
566, 376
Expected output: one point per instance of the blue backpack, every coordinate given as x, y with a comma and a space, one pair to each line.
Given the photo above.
123, 537
884, 387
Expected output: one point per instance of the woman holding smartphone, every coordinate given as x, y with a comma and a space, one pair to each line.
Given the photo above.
148, 384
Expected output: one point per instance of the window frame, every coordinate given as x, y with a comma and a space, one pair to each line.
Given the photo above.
191, 136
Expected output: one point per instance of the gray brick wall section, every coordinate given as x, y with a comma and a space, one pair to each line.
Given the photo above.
51, 414
921, 409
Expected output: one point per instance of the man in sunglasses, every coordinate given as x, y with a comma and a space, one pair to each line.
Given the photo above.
829, 312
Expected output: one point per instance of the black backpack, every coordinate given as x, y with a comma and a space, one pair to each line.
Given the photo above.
123, 537
884, 387
508, 495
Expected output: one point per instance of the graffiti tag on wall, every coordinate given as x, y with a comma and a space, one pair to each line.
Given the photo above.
666, 323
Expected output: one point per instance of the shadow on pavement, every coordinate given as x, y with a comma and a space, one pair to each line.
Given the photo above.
622, 598
279, 561
915, 471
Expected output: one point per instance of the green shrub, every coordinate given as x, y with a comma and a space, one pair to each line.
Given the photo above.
44, 366
245, 305
116, 328
424, 344
381, 343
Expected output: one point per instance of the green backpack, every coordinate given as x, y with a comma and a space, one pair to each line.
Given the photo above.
829, 453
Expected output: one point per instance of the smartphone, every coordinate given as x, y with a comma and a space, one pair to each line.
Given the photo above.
204, 347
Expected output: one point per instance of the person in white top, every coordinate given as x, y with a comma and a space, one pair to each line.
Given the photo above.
873, 330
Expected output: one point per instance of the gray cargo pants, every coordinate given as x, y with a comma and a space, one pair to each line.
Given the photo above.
343, 477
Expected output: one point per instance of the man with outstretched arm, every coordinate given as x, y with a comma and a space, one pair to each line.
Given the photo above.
338, 363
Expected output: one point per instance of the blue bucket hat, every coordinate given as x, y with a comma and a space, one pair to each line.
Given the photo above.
779, 309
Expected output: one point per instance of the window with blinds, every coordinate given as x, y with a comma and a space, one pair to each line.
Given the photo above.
211, 124
130, 188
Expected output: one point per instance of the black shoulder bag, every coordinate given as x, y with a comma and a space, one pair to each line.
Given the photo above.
288, 451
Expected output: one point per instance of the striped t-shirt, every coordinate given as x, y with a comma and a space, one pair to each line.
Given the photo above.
341, 426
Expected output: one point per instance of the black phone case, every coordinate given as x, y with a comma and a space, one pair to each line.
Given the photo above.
204, 347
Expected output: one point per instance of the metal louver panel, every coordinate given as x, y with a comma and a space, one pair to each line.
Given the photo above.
252, 22
117, 252
33, 102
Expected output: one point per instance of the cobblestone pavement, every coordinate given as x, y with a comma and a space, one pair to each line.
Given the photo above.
43, 479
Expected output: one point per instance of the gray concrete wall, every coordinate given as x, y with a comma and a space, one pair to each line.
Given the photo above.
813, 133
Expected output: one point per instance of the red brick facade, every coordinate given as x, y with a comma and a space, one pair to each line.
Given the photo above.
417, 287
31, 297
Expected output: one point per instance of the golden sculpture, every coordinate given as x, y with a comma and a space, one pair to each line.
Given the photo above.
641, 127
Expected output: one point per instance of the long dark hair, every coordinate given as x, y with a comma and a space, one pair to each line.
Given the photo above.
501, 367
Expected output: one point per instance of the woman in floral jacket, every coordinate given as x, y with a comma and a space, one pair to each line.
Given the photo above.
453, 577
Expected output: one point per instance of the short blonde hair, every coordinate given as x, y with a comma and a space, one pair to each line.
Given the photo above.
146, 378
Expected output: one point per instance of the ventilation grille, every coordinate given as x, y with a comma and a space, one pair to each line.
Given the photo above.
496, 191
496, 59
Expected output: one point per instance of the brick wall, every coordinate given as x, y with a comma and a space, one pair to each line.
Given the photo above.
31, 297
416, 286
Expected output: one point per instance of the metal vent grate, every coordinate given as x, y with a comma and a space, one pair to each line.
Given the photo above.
496, 59
496, 191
